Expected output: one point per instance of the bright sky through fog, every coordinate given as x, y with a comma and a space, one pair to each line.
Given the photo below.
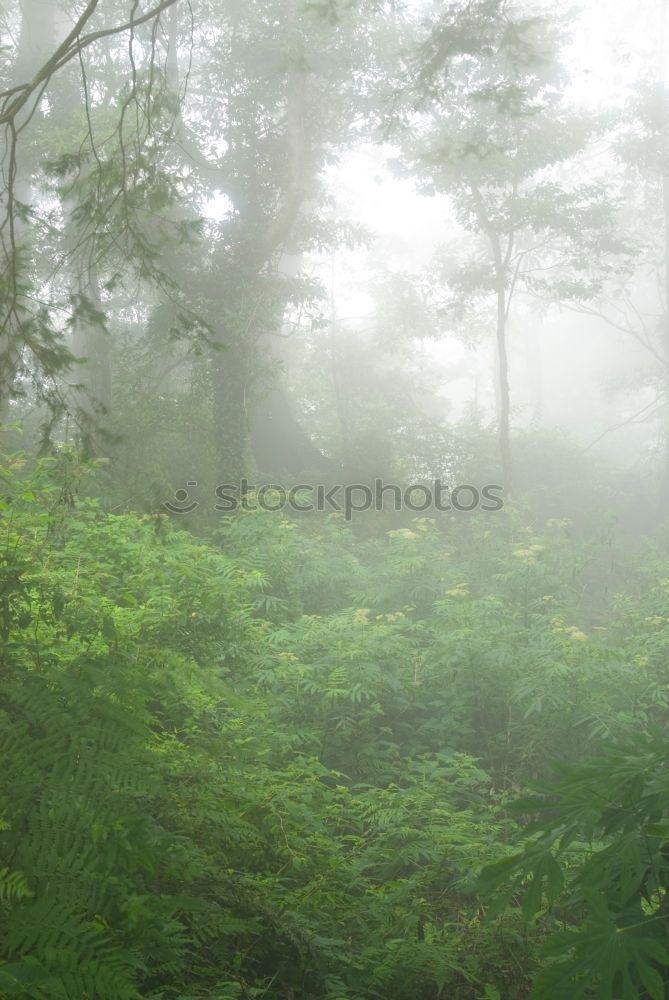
609, 49
613, 43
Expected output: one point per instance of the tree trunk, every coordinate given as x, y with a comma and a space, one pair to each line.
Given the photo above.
664, 489
91, 344
38, 27
503, 419
231, 366
503, 394
227, 367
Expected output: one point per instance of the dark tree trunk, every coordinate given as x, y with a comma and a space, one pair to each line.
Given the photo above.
91, 344
227, 366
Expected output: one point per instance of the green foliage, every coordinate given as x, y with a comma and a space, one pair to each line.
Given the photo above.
289, 757
171, 824
597, 852
278, 763
275, 765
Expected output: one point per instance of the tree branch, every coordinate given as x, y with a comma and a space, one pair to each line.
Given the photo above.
67, 50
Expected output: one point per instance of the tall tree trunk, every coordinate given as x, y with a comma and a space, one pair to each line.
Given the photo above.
340, 402
38, 28
227, 366
664, 489
503, 419
230, 366
92, 346
500, 266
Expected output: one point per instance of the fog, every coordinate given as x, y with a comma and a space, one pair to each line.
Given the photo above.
572, 371
334, 500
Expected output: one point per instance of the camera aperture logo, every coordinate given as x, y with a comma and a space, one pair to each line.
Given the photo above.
350, 499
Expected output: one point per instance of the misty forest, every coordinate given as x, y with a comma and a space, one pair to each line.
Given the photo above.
334, 500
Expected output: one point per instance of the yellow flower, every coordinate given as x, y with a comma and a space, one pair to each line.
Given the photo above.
527, 556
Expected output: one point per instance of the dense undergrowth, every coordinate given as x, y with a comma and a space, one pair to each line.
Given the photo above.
274, 764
